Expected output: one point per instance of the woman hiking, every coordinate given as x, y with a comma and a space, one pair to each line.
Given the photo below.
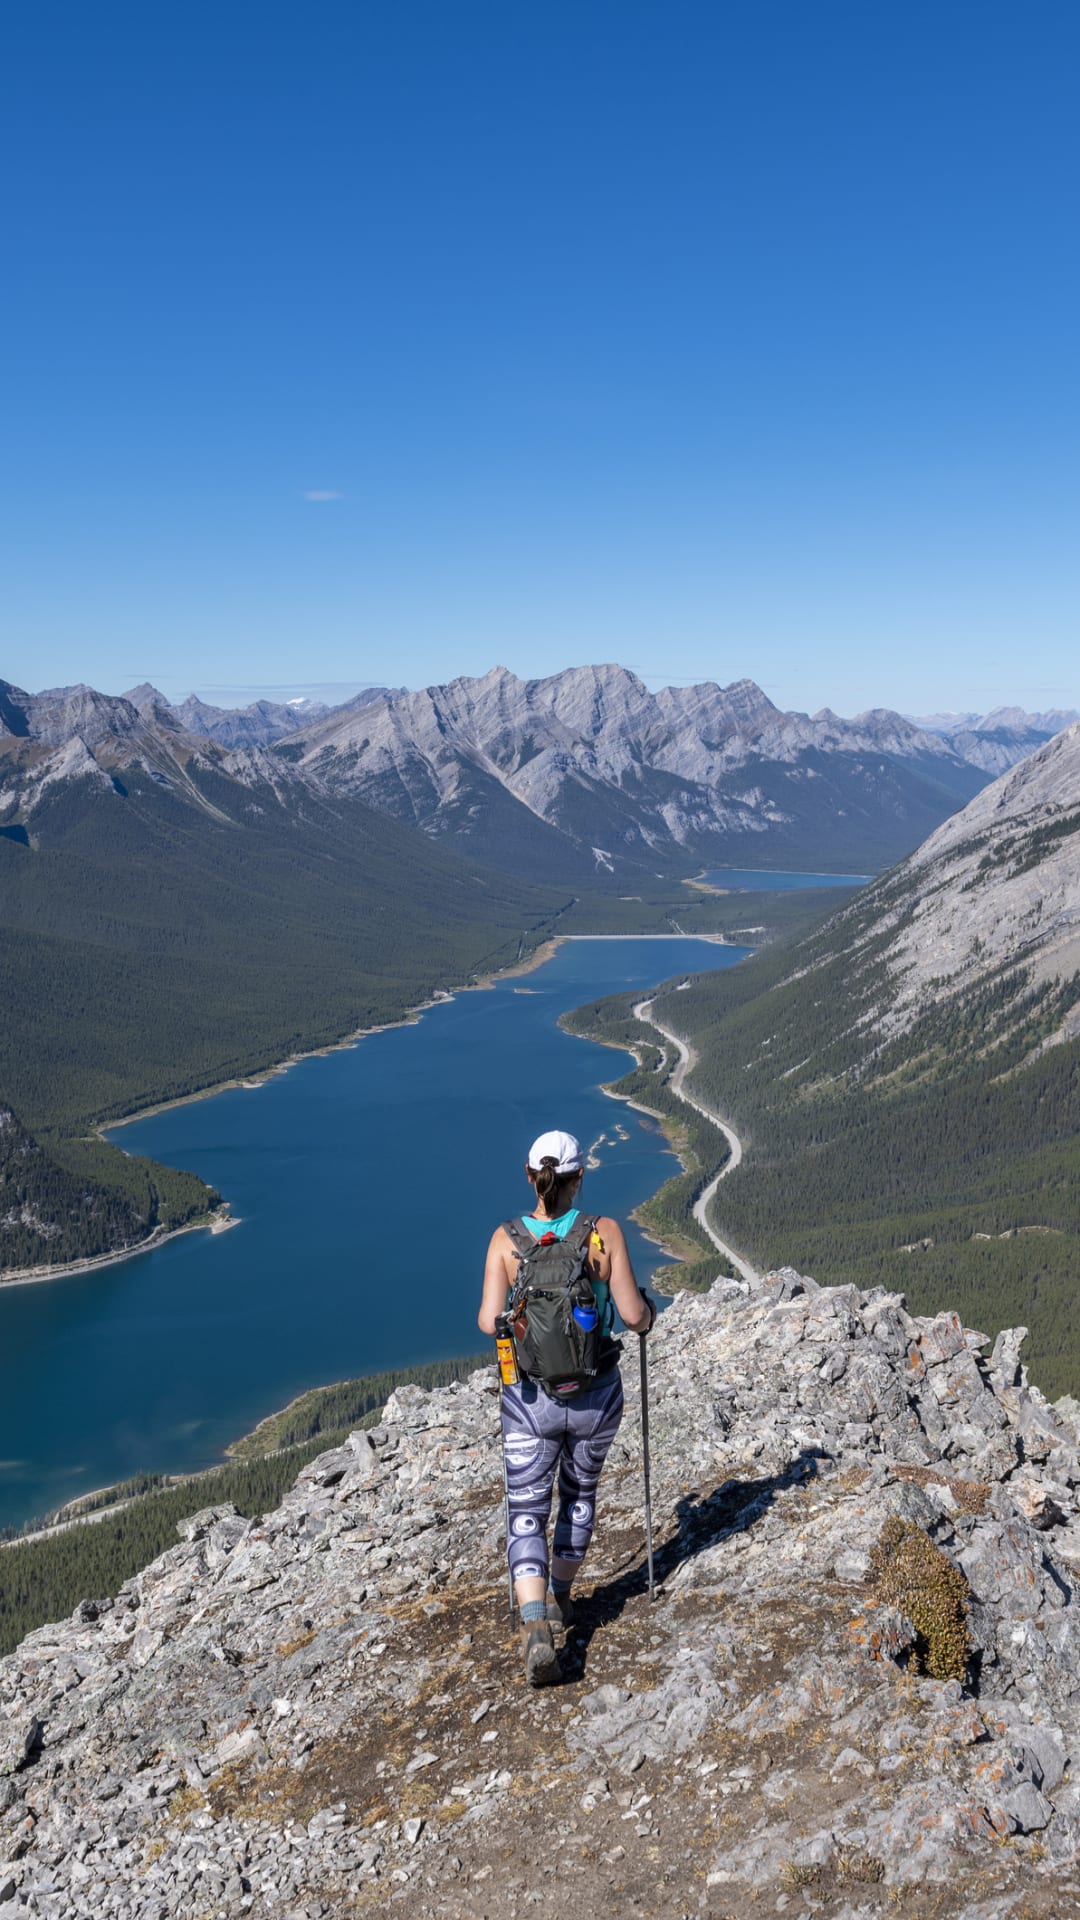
563, 1421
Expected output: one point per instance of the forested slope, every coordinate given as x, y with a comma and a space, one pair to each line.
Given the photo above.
149, 947
906, 1077
81, 1198
155, 939
951, 1172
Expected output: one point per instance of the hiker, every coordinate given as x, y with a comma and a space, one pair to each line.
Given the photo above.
555, 1417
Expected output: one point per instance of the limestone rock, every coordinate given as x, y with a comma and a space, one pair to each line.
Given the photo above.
323, 1710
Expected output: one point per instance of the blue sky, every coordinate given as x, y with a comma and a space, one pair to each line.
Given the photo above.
384, 340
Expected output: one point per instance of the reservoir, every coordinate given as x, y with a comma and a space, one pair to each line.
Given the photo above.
366, 1184
749, 880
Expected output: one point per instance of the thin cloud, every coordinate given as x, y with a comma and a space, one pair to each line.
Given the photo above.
290, 686
320, 493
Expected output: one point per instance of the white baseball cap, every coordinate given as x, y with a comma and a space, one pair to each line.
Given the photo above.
560, 1147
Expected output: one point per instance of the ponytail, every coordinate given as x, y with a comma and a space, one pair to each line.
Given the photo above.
554, 1189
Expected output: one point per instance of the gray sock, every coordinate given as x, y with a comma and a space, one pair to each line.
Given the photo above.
532, 1610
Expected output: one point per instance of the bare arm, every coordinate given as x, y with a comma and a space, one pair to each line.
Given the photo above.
497, 1278
634, 1310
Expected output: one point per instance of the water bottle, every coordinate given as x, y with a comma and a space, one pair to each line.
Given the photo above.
586, 1318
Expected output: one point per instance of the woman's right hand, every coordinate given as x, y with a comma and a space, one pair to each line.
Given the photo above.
651, 1305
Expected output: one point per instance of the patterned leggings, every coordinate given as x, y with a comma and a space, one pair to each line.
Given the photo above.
540, 1434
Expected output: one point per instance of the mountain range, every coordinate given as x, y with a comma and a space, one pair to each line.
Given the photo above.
601, 772
257, 725
583, 776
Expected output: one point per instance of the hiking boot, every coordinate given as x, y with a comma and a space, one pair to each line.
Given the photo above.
541, 1659
560, 1610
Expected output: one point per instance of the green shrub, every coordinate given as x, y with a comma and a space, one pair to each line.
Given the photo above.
909, 1572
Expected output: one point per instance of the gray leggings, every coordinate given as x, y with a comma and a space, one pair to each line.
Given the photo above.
540, 1434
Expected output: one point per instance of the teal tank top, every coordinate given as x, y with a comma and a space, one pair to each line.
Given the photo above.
560, 1228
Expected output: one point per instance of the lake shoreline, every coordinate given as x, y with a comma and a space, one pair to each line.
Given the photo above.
587, 961
442, 997
223, 1218
665, 1125
217, 1222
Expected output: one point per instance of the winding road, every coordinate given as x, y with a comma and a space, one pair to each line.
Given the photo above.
685, 1062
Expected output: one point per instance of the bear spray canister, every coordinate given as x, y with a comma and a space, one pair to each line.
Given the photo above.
509, 1370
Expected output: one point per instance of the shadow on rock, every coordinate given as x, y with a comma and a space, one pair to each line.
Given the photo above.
703, 1520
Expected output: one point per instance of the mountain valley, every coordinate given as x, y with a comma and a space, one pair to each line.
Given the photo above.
176, 913
191, 894
906, 1077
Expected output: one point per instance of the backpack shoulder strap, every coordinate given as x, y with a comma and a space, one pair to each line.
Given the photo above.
523, 1240
526, 1243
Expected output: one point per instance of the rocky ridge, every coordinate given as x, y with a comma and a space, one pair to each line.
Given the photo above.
999, 740
74, 734
320, 1713
611, 766
259, 724
997, 887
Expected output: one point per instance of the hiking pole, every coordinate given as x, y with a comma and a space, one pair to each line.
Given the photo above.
506, 1516
645, 1460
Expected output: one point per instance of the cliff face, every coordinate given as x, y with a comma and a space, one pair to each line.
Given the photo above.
321, 1712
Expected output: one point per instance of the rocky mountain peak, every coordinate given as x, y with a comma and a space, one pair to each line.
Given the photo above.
884, 718
57, 714
146, 697
741, 708
861, 1677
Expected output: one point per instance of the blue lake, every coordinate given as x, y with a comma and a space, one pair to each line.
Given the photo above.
748, 879
366, 1184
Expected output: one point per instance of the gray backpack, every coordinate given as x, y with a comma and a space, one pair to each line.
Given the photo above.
555, 1313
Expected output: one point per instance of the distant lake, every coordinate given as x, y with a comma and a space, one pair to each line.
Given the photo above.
367, 1184
747, 879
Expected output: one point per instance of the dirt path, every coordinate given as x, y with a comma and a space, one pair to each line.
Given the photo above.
686, 1061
